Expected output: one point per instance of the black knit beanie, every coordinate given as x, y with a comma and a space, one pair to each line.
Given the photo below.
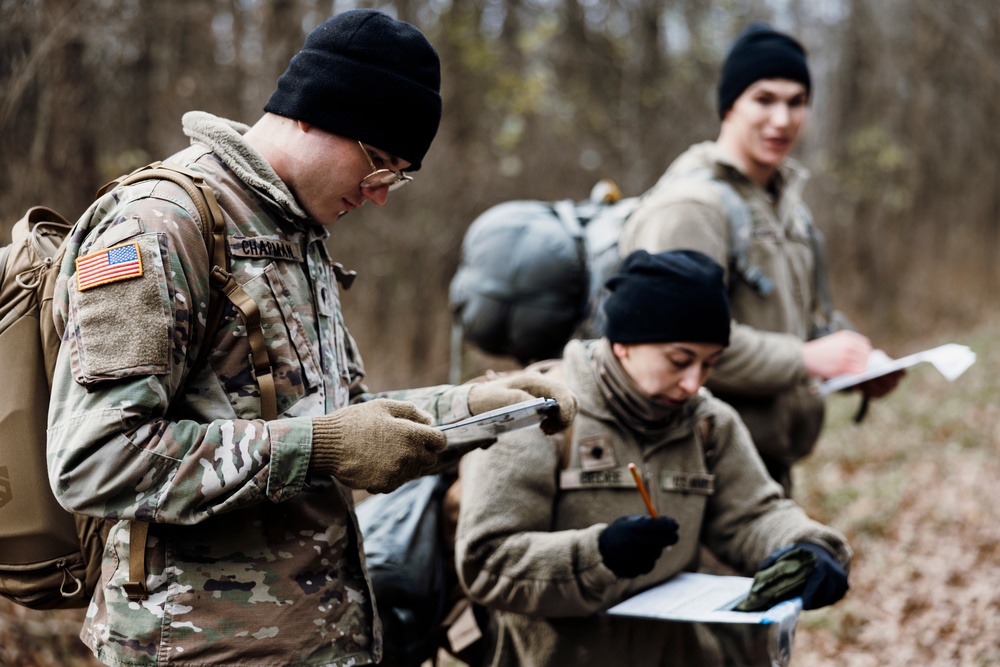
671, 297
760, 52
366, 76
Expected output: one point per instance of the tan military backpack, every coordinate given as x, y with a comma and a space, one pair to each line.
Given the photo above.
51, 558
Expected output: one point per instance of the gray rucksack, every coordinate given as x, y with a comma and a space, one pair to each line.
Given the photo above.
532, 273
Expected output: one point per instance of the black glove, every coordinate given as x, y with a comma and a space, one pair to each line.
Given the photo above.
802, 569
631, 545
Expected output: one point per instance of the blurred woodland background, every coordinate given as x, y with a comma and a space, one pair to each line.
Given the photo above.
542, 99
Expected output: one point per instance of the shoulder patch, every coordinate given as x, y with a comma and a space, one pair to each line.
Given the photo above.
108, 266
126, 327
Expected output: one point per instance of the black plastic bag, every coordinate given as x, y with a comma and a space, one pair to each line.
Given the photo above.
403, 546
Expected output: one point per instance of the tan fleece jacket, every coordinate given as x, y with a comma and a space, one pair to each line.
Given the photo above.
762, 373
528, 530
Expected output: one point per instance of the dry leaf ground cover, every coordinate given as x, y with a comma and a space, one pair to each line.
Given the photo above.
916, 488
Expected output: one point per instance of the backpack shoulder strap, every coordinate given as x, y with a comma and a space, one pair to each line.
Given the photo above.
740, 229
705, 430
214, 234
832, 320
566, 451
565, 210
250, 313
200, 194
568, 215
48, 231
212, 222
740, 233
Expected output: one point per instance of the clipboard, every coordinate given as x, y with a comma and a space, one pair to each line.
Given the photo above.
694, 597
482, 430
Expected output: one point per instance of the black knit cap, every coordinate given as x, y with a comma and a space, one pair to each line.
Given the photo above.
760, 52
671, 297
366, 76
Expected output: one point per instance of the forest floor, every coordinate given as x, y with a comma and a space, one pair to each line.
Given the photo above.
916, 488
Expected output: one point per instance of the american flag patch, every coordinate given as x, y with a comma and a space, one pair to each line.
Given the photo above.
108, 266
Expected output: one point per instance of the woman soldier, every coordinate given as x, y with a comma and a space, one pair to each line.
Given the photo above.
553, 529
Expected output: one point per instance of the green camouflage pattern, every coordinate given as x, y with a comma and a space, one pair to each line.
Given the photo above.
250, 559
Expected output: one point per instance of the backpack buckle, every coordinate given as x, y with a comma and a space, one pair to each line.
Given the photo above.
135, 590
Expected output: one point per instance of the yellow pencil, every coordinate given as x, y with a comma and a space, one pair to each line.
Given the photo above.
642, 490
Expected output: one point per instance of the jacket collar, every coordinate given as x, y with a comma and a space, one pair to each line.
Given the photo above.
581, 377
791, 177
225, 138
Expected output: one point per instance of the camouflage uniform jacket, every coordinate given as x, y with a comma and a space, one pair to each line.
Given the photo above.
527, 542
762, 373
250, 559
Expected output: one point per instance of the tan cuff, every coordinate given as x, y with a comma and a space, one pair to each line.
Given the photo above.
326, 450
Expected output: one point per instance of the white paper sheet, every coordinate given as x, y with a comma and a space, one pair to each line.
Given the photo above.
950, 360
703, 598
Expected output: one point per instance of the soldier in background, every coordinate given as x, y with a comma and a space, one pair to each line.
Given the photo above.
784, 333
253, 555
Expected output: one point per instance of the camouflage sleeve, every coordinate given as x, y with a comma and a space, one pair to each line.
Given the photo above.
446, 403
125, 440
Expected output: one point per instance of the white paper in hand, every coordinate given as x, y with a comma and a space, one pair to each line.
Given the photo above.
950, 360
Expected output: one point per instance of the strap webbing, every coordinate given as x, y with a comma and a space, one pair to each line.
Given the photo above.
214, 233
135, 587
250, 314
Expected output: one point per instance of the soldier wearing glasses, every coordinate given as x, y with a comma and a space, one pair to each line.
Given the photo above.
253, 555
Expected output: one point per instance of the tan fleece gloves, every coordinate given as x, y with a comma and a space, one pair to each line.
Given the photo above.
376, 446
520, 387
380, 444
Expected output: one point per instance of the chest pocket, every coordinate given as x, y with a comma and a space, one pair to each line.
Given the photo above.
770, 227
293, 362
